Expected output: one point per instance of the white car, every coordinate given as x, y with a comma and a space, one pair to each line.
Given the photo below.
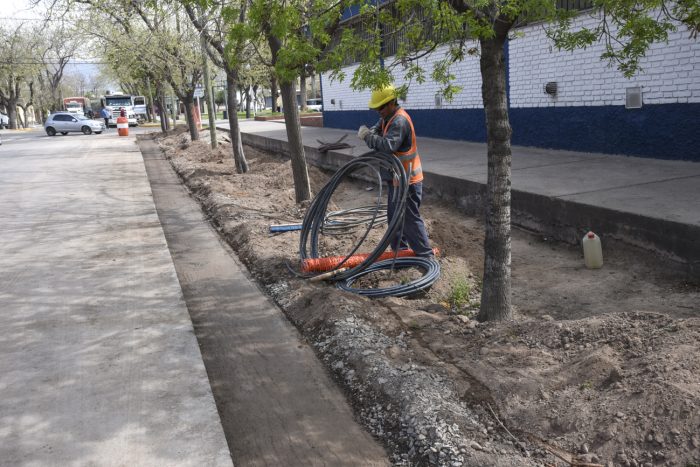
314, 104
65, 122
4, 121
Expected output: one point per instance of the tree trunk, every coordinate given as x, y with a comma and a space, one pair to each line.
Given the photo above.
495, 293
302, 187
163, 112
247, 101
302, 91
300, 172
236, 143
274, 94
211, 111
255, 99
174, 110
150, 115
21, 121
188, 100
12, 114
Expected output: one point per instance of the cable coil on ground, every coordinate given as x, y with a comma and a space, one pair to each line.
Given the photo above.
429, 265
316, 218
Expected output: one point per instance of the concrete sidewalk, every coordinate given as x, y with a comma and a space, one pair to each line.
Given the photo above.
653, 204
99, 364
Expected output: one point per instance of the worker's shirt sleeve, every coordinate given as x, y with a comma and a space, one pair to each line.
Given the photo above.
398, 134
377, 128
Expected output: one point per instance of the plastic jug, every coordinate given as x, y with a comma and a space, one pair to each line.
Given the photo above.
592, 251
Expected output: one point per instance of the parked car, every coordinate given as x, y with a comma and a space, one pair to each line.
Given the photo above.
4, 121
64, 122
314, 104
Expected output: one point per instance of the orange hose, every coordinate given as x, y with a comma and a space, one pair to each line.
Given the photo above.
331, 262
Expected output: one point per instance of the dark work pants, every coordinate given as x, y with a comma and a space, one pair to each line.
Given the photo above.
414, 234
106, 123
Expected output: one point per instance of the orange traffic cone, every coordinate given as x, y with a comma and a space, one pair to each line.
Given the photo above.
123, 124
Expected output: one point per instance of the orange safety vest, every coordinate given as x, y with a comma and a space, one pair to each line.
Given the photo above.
409, 159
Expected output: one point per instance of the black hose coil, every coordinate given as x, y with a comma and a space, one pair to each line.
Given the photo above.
313, 224
429, 265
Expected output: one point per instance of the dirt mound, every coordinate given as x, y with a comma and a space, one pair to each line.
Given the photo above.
601, 365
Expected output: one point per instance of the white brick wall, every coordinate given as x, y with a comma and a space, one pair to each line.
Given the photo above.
671, 75
671, 72
420, 96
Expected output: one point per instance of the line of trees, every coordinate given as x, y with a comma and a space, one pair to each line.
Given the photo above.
33, 68
279, 41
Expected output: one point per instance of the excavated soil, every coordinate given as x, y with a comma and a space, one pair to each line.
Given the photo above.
598, 367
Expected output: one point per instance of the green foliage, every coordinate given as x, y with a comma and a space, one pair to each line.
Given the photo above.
220, 97
298, 32
688, 12
627, 28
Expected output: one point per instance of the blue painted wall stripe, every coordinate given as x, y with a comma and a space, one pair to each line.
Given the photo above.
662, 131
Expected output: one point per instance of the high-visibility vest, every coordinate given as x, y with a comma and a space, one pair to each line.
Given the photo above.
409, 159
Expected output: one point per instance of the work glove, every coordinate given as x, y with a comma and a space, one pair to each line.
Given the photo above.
363, 132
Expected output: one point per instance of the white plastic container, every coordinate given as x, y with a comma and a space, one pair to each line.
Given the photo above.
592, 251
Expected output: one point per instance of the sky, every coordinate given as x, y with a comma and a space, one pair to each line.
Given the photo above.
15, 12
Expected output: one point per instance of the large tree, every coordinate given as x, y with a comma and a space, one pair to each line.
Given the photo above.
477, 27
150, 35
20, 64
297, 32
214, 21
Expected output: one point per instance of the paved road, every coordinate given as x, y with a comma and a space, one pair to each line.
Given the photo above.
98, 361
278, 405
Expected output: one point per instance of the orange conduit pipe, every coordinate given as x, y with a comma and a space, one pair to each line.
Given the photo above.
329, 263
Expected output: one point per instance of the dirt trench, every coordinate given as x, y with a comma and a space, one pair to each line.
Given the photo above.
600, 365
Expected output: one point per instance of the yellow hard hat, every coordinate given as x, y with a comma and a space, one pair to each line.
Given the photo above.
382, 96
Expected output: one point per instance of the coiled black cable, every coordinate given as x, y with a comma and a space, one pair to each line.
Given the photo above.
431, 274
375, 162
378, 164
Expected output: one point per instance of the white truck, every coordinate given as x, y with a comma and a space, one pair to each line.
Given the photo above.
115, 103
140, 108
76, 105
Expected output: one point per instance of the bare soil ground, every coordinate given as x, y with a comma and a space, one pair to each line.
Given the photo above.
599, 367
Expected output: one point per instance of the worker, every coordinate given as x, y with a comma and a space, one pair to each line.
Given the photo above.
104, 113
394, 134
